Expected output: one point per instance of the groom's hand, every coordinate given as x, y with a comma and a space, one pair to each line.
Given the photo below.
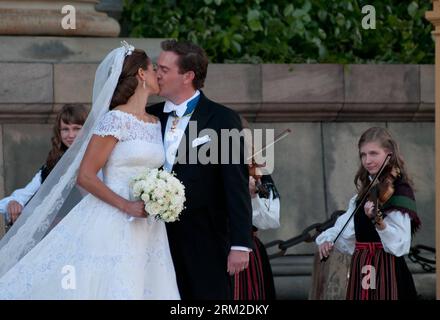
237, 261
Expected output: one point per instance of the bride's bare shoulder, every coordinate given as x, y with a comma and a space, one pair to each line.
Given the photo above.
153, 118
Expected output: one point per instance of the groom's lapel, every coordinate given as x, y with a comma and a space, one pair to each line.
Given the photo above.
201, 116
163, 120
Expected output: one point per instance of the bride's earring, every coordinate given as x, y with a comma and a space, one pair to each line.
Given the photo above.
143, 85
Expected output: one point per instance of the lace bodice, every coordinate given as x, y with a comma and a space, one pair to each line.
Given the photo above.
125, 126
139, 146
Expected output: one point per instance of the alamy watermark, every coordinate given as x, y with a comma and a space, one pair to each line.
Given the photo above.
369, 20
68, 282
229, 146
369, 280
69, 20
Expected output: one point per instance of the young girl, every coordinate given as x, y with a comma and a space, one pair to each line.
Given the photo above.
68, 123
378, 242
256, 282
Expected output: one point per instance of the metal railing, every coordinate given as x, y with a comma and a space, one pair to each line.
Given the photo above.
417, 253
305, 236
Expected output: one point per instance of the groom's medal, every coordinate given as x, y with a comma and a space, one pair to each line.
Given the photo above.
190, 106
175, 122
173, 133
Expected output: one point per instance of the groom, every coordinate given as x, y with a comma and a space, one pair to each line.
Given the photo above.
212, 239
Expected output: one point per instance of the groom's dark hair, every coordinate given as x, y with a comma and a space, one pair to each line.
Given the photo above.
191, 58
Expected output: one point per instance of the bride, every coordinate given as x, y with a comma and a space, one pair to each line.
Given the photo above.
98, 251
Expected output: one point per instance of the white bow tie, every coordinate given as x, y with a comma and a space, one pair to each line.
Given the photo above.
170, 107
178, 108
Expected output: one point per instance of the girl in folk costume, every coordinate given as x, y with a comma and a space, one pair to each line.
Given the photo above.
379, 234
256, 282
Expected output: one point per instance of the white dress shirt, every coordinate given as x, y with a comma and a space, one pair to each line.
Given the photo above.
172, 138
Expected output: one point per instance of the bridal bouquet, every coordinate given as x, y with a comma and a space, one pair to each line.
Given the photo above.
162, 193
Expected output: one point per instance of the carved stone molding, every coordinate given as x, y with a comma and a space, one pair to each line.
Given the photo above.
25, 17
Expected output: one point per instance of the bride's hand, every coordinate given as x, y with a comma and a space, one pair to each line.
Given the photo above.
135, 209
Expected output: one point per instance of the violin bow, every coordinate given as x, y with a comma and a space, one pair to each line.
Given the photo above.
281, 136
372, 183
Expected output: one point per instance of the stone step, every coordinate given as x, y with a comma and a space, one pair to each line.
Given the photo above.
293, 277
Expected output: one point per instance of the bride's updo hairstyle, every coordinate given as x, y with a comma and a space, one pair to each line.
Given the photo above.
128, 82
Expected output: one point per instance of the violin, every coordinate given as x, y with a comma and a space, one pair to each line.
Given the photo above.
256, 173
254, 167
383, 189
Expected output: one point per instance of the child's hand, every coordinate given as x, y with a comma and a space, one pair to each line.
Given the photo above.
325, 249
369, 209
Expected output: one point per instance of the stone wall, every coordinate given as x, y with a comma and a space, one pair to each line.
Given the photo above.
326, 105
57, 18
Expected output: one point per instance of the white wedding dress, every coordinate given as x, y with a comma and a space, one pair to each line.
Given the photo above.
96, 252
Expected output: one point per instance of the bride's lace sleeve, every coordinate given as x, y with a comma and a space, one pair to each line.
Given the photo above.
109, 125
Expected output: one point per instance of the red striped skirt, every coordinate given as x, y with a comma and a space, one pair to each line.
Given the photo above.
255, 282
372, 273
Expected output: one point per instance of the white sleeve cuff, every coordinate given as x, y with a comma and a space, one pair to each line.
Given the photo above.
239, 248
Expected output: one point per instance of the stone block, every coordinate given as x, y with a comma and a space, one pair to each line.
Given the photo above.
427, 83
68, 49
426, 113
46, 18
73, 83
298, 112
299, 177
382, 84
25, 149
26, 83
22, 109
292, 288
25, 112
312, 83
233, 83
352, 112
